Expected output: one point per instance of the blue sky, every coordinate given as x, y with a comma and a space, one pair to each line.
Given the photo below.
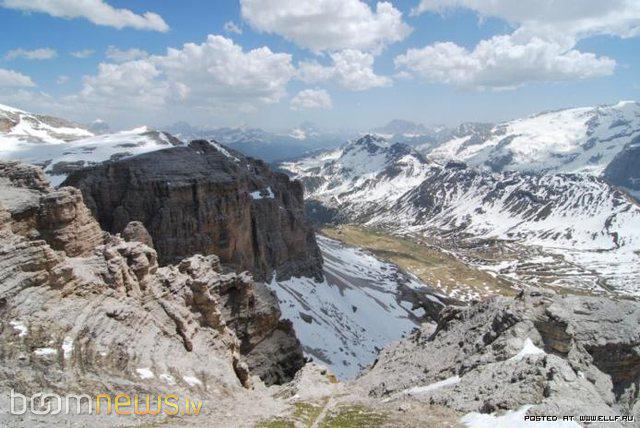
340, 64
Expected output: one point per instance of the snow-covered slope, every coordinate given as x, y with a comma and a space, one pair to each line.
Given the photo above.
578, 217
579, 140
362, 305
18, 127
366, 174
60, 146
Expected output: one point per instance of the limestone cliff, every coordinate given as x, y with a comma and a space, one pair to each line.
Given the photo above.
83, 310
203, 198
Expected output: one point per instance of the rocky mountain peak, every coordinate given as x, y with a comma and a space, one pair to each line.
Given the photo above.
371, 142
206, 198
402, 127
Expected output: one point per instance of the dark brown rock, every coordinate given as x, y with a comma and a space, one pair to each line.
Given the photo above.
136, 232
205, 199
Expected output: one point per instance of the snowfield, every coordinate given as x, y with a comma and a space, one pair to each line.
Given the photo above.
357, 310
580, 140
60, 146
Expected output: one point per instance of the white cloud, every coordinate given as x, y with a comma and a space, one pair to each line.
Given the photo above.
501, 63
328, 25
232, 27
117, 55
133, 84
13, 79
219, 70
311, 99
579, 18
35, 101
96, 11
351, 69
38, 54
216, 76
62, 79
84, 53
542, 48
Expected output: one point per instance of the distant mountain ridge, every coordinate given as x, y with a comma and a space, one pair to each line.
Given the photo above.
577, 140
577, 216
266, 145
60, 146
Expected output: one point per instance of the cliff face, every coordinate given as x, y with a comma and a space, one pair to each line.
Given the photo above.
205, 199
89, 310
624, 170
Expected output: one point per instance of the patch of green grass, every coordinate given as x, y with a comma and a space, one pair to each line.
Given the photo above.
304, 414
432, 265
355, 416
275, 423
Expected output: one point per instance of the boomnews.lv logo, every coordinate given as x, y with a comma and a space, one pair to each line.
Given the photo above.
45, 403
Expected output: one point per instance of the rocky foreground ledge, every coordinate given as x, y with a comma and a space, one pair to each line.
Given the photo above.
86, 312
557, 355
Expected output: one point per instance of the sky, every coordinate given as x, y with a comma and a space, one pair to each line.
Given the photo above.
341, 64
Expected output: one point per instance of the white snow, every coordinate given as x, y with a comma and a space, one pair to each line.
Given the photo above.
421, 390
192, 380
145, 373
355, 173
67, 347
510, 419
350, 315
168, 378
20, 327
42, 352
298, 134
583, 224
527, 349
579, 140
258, 194
224, 151
33, 141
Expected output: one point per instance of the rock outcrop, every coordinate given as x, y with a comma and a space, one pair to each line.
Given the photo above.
135, 231
57, 216
83, 310
206, 199
572, 355
623, 171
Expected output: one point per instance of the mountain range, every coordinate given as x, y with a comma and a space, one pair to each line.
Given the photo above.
168, 267
267, 145
60, 146
556, 203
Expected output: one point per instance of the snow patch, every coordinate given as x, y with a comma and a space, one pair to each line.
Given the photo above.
420, 390
20, 327
168, 378
67, 347
192, 380
145, 373
43, 352
354, 312
511, 418
224, 151
263, 194
527, 349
